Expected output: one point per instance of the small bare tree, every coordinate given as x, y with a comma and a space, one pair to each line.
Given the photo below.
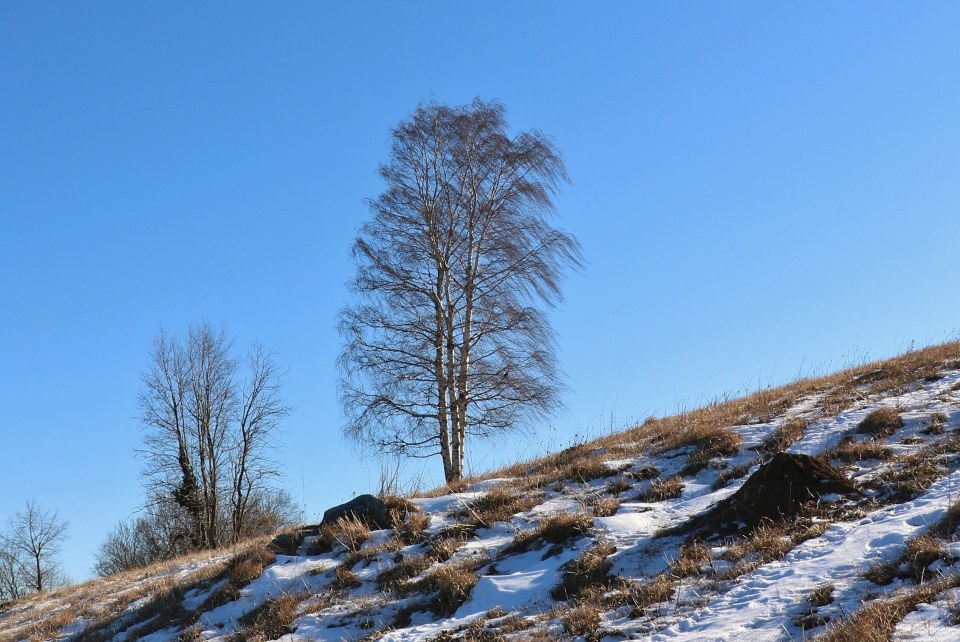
448, 337
209, 434
32, 544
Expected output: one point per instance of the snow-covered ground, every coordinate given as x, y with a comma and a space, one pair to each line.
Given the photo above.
513, 569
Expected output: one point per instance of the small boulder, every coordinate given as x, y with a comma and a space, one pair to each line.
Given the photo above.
369, 509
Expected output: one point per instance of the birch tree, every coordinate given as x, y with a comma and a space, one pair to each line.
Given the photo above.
448, 337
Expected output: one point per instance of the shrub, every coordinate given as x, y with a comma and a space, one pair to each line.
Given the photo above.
882, 422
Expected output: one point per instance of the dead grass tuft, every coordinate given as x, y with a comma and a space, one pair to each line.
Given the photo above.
499, 504
691, 558
880, 423
451, 585
605, 506
556, 529
662, 489
588, 572
344, 578
849, 450
350, 532
270, 620
727, 475
583, 620
785, 435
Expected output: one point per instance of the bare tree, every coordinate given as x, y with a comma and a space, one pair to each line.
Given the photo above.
13, 574
209, 434
448, 337
32, 543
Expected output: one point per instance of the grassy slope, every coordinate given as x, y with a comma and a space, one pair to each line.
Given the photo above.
374, 585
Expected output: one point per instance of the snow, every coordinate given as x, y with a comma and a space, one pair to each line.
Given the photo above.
760, 605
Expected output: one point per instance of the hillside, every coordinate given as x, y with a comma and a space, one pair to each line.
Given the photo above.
692, 527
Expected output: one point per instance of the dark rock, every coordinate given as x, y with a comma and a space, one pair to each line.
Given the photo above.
779, 489
368, 509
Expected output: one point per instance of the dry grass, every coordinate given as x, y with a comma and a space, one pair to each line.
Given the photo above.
716, 442
344, 578
849, 451
589, 572
556, 529
767, 542
690, 560
350, 532
907, 478
662, 489
914, 563
658, 589
450, 585
877, 619
619, 486
270, 620
785, 435
880, 423
414, 529
499, 504
727, 475
582, 619
604, 506
394, 577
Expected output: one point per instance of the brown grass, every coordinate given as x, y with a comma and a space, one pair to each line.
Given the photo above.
691, 558
849, 450
727, 475
450, 585
841, 390
660, 588
914, 563
350, 532
554, 529
618, 486
344, 578
394, 577
880, 423
662, 489
877, 619
785, 435
499, 504
590, 571
582, 619
908, 477
271, 619
767, 542
604, 506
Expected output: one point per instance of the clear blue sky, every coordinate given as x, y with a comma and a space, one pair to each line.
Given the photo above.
761, 190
